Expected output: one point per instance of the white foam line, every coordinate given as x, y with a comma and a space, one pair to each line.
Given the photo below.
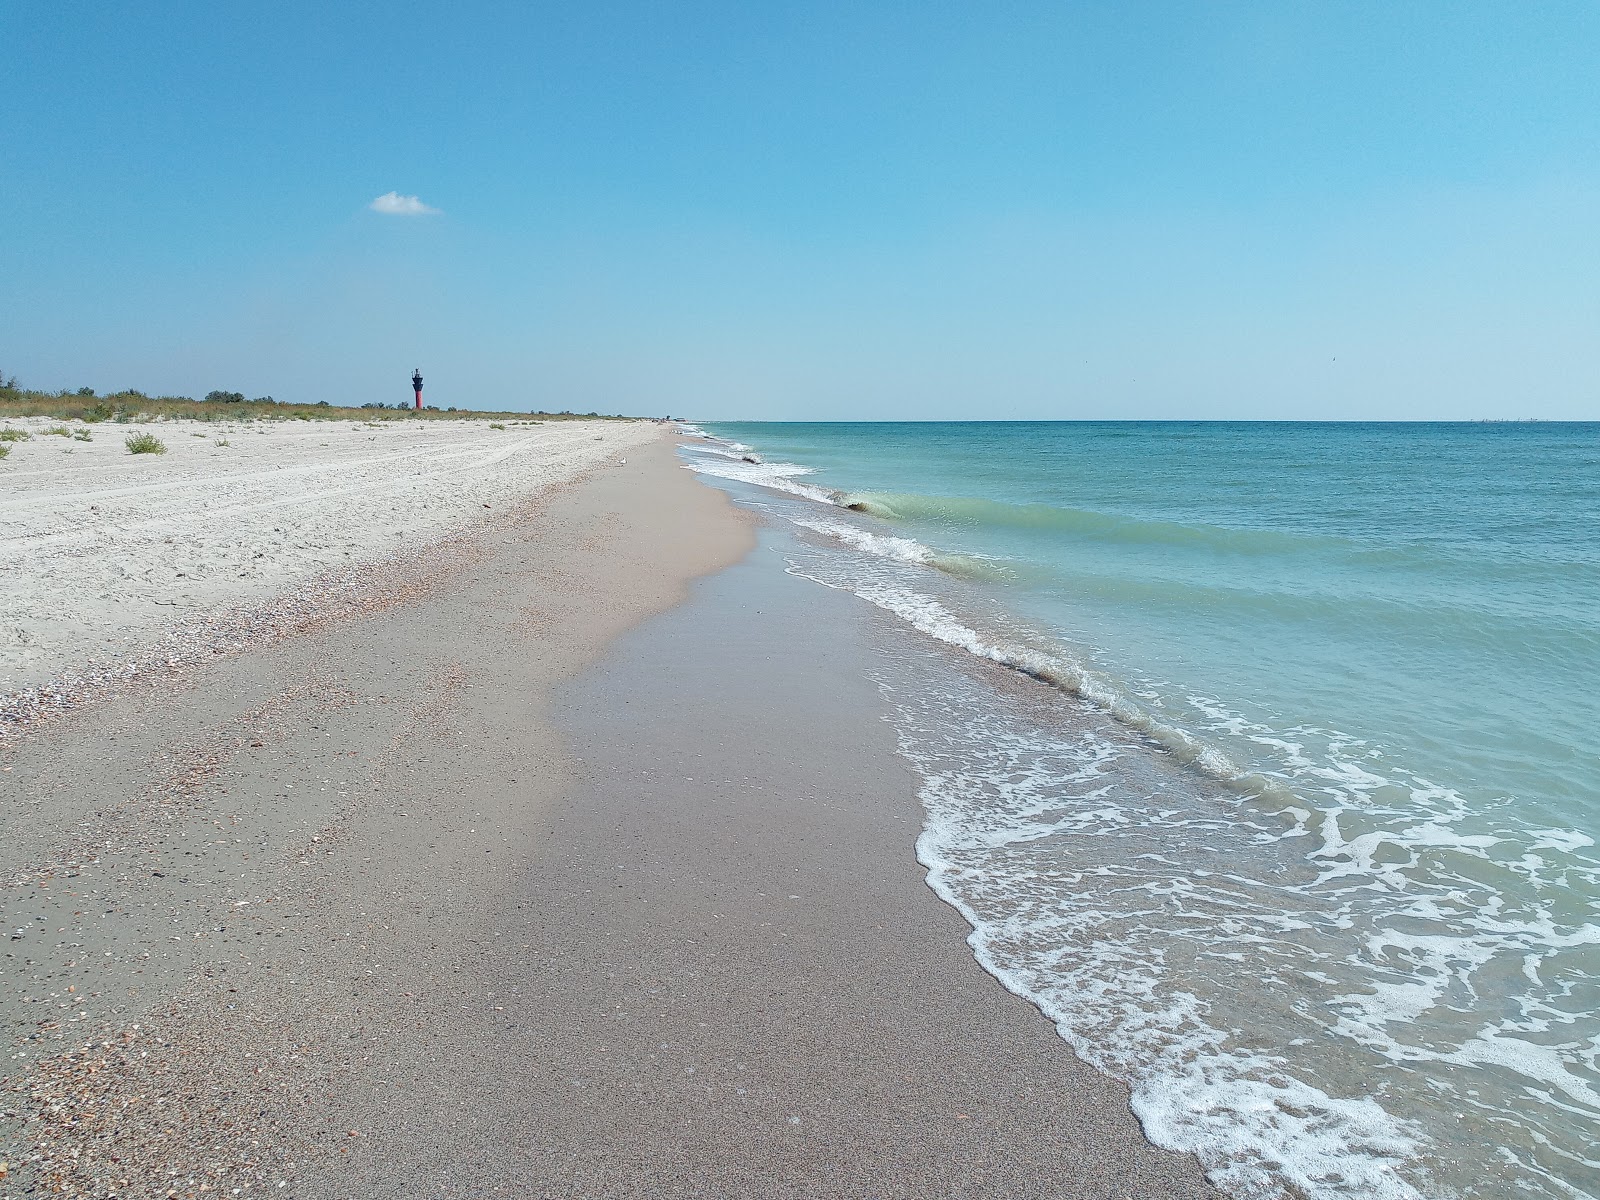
780, 477
898, 548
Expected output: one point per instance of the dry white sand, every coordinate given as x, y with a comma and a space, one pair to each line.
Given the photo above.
102, 552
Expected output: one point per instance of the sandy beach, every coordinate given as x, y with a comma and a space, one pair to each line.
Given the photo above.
532, 867
103, 553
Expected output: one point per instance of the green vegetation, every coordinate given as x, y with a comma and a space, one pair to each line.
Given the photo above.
144, 443
130, 404
58, 431
5, 449
82, 435
15, 435
496, 425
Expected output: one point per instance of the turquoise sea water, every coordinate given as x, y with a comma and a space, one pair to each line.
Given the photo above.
1298, 834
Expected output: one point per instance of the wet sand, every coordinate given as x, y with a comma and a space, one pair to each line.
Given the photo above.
482, 893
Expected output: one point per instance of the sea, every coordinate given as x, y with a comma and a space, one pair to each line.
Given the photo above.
1261, 757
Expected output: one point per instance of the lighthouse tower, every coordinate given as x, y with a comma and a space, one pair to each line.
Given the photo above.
416, 386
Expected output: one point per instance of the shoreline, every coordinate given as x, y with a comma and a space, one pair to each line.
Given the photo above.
193, 873
287, 922
1240, 941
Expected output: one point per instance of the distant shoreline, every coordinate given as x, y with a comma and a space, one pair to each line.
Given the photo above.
134, 406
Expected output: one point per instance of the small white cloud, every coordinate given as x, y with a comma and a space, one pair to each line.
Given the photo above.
396, 205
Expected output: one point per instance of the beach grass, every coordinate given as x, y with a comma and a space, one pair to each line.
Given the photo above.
144, 443
132, 405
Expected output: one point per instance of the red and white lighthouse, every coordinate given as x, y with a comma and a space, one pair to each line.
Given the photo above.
416, 386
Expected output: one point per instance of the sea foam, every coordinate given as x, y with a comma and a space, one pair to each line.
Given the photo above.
1318, 968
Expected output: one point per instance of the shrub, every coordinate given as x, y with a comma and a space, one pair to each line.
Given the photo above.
15, 435
226, 397
58, 431
144, 443
496, 425
86, 391
82, 435
5, 449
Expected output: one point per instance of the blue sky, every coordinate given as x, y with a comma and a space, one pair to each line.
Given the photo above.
817, 211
